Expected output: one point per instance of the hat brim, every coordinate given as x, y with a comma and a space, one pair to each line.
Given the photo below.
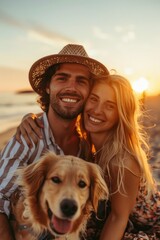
40, 66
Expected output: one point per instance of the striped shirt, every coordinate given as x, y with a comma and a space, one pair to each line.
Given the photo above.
17, 155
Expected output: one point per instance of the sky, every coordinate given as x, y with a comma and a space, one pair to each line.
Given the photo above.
122, 34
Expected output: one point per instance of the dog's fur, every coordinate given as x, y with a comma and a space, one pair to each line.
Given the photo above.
59, 192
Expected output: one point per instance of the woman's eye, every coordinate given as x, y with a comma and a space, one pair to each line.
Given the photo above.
82, 184
92, 99
56, 180
110, 106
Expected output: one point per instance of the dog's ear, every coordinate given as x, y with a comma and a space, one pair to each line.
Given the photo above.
33, 176
99, 189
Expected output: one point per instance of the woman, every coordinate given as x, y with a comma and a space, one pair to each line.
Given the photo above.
111, 119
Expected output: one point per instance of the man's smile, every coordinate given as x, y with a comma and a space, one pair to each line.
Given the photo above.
69, 100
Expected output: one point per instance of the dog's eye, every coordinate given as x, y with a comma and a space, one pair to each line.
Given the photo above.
82, 184
56, 179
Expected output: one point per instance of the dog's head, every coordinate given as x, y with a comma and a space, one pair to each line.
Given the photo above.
60, 191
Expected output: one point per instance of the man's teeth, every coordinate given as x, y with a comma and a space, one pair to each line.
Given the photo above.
95, 120
69, 100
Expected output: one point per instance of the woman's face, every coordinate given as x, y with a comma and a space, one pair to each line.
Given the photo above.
100, 113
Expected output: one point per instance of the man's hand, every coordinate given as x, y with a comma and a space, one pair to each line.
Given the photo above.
30, 129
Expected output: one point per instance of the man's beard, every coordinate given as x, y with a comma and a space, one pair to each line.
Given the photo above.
67, 114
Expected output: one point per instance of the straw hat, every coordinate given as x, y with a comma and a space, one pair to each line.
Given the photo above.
71, 53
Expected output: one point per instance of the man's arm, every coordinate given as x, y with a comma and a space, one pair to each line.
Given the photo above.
13, 156
5, 229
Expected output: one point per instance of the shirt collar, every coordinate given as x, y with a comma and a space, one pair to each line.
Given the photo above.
49, 136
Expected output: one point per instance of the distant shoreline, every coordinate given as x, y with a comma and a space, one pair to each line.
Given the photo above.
24, 91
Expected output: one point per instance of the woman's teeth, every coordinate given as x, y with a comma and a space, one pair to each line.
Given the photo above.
95, 120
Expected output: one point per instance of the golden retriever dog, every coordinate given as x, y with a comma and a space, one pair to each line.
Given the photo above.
58, 195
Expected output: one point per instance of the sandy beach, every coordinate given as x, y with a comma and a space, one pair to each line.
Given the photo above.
153, 125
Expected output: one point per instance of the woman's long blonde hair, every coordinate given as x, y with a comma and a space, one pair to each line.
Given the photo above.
128, 138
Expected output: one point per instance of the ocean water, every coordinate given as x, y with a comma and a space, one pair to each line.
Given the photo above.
13, 106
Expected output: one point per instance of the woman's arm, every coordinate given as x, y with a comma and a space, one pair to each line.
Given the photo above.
30, 128
121, 206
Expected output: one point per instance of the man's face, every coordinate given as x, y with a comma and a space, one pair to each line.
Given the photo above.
69, 89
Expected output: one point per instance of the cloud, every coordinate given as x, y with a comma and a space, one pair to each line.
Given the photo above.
36, 31
118, 29
100, 34
11, 21
127, 34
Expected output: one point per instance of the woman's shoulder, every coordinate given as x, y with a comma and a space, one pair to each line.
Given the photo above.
132, 165
129, 163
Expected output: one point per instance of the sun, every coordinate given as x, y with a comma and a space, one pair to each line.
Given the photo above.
140, 85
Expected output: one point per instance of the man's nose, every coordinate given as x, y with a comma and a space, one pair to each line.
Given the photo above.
71, 84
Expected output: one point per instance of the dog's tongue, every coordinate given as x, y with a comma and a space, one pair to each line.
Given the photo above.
61, 225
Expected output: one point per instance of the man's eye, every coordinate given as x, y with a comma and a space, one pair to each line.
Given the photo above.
61, 79
83, 81
56, 180
82, 184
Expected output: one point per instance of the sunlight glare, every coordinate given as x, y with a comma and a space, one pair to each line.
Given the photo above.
140, 85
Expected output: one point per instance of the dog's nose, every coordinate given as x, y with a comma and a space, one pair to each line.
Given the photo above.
68, 207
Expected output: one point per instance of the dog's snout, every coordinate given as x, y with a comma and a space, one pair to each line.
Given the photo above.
68, 207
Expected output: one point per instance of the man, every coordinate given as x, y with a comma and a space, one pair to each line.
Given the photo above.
63, 82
